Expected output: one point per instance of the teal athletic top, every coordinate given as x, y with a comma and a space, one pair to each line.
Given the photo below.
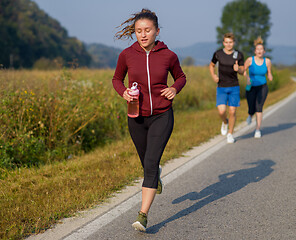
257, 73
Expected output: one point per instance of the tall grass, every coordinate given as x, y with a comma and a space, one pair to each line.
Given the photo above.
69, 107
53, 115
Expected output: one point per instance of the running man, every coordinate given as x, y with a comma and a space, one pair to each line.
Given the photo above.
230, 62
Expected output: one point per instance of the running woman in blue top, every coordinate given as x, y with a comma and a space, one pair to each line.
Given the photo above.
258, 67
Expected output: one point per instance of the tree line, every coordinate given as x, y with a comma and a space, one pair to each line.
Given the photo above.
30, 38
29, 35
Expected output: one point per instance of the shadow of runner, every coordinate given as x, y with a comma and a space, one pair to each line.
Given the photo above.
268, 130
229, 183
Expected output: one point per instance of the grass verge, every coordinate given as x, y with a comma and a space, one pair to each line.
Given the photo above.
32, 199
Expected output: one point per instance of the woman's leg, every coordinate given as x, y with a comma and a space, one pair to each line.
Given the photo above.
148, 195
261, 96
138, 131
159, 132
251, 99
259, 116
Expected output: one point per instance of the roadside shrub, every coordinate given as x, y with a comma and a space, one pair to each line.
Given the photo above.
52, 115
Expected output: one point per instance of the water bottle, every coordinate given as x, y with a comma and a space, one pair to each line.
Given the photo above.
133, 106
248, 87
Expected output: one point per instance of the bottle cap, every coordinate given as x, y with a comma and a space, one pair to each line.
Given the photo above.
134, 90
134, 86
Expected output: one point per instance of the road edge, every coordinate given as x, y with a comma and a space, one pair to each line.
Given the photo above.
85, 222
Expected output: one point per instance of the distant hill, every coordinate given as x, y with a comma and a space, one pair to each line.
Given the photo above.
103, 56
284, 55
202, 53
28, 34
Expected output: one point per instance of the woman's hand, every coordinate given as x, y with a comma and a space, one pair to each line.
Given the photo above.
169, 93
270, 77
126, 96
248, 81
248, 78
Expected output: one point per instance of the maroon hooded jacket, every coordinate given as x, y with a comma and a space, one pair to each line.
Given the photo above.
150, 71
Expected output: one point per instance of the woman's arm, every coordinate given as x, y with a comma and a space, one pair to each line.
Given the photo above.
269, 74
119, 76
248, 63
178, 76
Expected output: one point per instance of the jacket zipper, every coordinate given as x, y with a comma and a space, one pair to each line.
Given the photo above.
149, 81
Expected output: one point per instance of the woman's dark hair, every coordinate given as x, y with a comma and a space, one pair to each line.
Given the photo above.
128, 30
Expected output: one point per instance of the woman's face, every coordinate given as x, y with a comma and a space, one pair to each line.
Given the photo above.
228, 44
146, 33
259, 50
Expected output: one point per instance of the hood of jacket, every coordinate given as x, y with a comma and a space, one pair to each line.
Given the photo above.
158, 46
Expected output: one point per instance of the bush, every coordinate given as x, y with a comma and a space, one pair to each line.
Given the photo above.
53, 115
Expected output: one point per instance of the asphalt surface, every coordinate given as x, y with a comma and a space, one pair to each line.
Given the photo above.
244, 190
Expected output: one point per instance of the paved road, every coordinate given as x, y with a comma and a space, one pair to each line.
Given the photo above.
244, 190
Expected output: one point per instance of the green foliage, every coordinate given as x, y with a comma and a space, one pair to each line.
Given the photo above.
47, 116
280, 79
102, 56
247, 19
52, 115
28, 34
188, 61
47, 64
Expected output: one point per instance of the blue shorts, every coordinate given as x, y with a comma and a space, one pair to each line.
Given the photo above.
228, 96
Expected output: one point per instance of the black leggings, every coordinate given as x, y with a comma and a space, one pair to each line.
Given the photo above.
150, 136
256, 98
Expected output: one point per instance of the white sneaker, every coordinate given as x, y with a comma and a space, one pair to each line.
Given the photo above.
230, 138
249, 120
257, 134
224, 128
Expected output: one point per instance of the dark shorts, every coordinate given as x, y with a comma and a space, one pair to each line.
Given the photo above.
228, 96
256, 98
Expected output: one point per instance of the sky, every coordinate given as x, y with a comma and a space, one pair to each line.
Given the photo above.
182, 22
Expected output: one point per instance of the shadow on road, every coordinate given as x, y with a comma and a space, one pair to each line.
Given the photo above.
269, 130
229, 183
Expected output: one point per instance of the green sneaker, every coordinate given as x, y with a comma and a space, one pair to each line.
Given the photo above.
141, 223
159, 186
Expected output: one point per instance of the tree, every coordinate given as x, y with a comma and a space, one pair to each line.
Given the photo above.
28, 34
247, 20
188, 61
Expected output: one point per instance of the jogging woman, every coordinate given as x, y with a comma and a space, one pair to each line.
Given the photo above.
258, 67
230, 63
148, 63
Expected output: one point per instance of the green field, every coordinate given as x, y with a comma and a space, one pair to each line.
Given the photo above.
64, 144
